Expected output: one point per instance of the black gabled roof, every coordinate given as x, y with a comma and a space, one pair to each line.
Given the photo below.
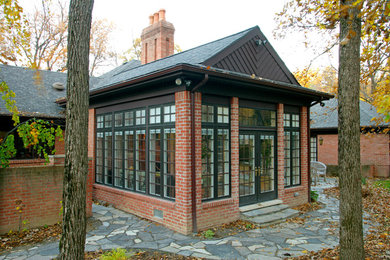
193, 56
247, 58
326, 117
253, 55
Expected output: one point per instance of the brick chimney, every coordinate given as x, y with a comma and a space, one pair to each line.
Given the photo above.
157, 39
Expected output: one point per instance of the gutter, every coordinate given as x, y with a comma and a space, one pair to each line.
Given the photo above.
193, 177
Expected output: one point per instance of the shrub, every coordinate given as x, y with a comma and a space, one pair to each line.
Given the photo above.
313, 195
116, 254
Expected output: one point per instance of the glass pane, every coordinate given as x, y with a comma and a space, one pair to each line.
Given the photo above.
247, 165
207, 163
223, 162
169, 162
108, 158
155, 162
129, 118
99, 157
257, 117
118, 119
108, 120
267, 163
129, 160
140, 159
118, 159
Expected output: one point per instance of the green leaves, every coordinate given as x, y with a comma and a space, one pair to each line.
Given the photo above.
37, 134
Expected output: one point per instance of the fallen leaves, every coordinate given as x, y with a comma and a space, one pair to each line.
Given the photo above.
27, 237
231, 228
376, 199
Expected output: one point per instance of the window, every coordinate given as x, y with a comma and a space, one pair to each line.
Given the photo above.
137, 151
118, 119
169, 114
292, 168
129, 160
108, 158
313, 148
118, 159
99, 157
155, 162
207, 114
129, 118
99, 122
140, 160
155, 115
107, 120
251, 117
169, 162
215, 152
140, 117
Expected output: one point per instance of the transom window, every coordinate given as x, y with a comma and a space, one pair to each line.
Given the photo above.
252, 117
292, 153
215, 152
137, 151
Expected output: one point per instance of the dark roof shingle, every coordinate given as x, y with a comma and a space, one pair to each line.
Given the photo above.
326, 117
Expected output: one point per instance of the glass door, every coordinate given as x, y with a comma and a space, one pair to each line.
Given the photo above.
257, 166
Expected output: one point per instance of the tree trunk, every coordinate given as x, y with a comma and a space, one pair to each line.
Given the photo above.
351, 229
72, 241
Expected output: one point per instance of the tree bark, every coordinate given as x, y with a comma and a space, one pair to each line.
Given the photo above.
72, 242
351, 229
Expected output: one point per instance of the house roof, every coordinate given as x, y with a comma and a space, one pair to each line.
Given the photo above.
259, 65
34, 92
192, 56
326, 117
246, 54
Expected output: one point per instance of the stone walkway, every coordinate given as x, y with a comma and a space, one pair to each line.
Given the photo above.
120, 229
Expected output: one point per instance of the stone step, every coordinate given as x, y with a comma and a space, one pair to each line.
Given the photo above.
265, 211
260, 205
274, 218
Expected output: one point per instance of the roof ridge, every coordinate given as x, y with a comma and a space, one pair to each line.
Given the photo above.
28, 68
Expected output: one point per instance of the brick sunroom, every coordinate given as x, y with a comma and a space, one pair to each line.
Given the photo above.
186, 139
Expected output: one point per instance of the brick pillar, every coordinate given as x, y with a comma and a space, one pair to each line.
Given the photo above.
198, 153
91, 158
234, 128
305, 131
280, 134
183, 160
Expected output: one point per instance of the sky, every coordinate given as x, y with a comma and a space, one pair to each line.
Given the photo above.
198, 22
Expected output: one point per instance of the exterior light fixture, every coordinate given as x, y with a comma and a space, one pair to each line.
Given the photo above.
178, 81
260, 42
321, 140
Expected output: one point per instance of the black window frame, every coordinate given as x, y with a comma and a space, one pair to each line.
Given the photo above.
215, 126
128, 128
296, 130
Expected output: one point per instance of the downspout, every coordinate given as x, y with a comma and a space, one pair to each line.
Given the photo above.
193, 177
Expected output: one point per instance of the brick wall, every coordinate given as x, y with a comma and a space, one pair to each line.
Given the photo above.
374, 153
38, 189
176, 215
298, 195
226, 210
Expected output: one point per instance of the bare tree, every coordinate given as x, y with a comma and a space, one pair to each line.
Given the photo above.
100, 54
72, 242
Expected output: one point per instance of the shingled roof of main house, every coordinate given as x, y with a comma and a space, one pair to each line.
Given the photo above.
35, 95
244, 56
326, 117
